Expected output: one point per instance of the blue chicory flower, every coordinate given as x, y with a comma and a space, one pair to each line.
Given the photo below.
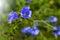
25, 30
33, 31
12, 16
26, 12
56, 31
52, 19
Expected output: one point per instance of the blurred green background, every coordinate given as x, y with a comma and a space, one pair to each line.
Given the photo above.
41, 10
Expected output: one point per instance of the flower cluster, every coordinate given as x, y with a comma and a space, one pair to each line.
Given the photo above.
56, 29
25, 13
33, 31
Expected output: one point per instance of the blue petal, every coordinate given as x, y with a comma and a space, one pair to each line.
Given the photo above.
35, 31
55, 34
59, 33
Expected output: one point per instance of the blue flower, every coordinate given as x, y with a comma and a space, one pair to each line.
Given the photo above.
26, 12
56, 31
52, 19
12, 16
26, 30
29, 1
34, 31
